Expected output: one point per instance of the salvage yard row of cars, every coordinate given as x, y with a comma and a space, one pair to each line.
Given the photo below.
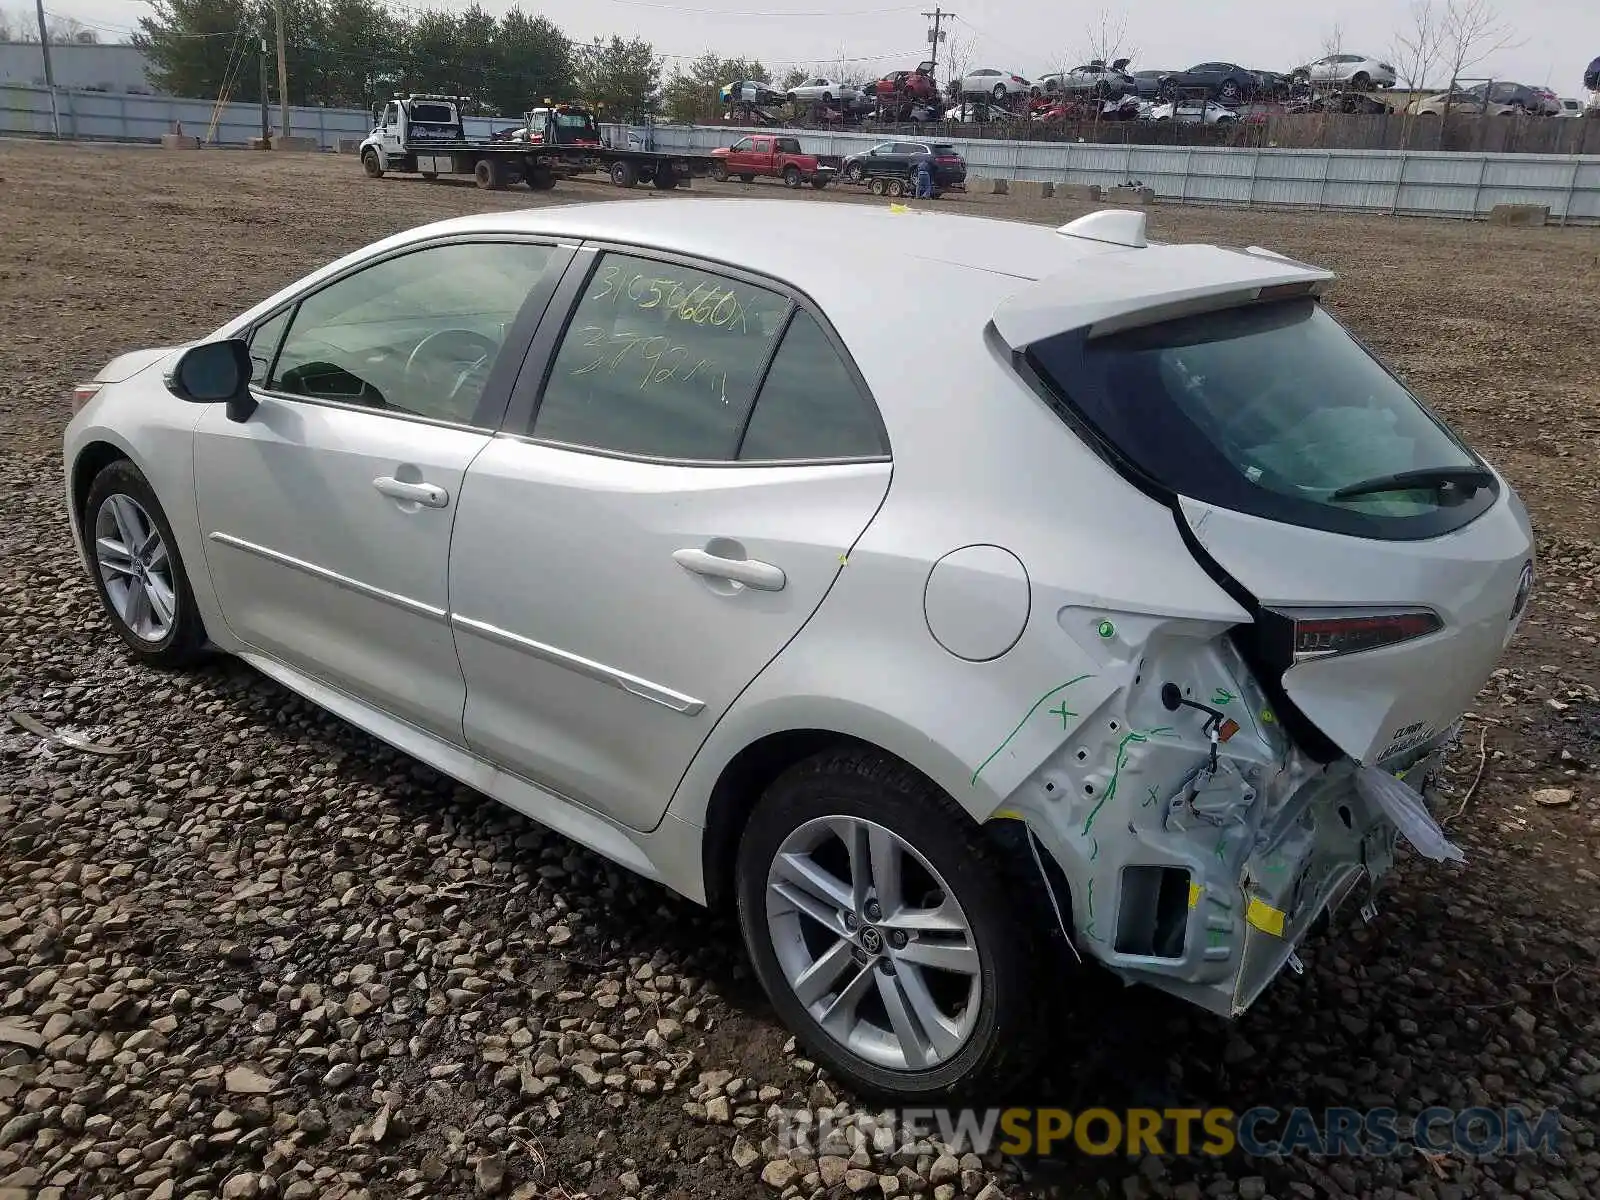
1340, 83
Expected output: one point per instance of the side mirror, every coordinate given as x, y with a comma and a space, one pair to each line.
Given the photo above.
216, 373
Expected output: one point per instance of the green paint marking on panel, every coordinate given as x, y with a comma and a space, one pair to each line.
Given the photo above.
1035, 708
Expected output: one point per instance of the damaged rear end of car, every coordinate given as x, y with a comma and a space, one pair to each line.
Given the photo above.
1223, 786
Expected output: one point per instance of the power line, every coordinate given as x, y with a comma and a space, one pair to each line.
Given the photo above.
767, 14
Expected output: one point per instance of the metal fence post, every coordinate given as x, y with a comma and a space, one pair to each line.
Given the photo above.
1572, 191
1477, 191
1188, 161
1322, 192
1255, 169
1399, 184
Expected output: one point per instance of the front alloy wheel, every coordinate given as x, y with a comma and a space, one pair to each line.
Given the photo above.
138, 572
883, 925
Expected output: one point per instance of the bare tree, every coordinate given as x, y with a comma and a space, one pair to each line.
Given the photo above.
5, 26
65, 29
957, 55
1107, 36
1472, 32
1416, 55
1333, 40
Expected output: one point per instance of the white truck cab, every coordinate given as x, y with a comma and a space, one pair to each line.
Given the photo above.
407, 121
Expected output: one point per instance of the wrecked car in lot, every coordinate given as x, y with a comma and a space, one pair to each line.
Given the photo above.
1133, 579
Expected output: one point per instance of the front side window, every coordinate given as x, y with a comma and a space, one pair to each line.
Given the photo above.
414, 335
741, 144
660, 360
264, 341
1269, 409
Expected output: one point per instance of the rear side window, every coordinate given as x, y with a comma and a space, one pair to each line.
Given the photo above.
660, 360
1267, 409
433, 114
809, 406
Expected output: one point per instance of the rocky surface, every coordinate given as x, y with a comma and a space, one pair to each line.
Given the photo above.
250, 952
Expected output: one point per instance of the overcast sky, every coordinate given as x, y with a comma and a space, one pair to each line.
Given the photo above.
1555, 38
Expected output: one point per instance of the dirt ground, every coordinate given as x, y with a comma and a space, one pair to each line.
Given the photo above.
439, 999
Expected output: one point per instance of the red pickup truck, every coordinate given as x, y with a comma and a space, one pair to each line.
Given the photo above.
773, 156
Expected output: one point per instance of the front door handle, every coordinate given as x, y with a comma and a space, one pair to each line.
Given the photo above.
426, 494
752, 573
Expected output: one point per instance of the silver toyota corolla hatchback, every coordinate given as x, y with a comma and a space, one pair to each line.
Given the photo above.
1116, 602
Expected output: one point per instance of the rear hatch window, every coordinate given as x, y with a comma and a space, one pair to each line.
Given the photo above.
1269, 409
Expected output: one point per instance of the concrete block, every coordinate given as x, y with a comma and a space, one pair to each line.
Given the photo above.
1131, 195
995, 187
1532, 215
1030, 190
1079, 191
293, 143
179, 141
348, 145
260, 143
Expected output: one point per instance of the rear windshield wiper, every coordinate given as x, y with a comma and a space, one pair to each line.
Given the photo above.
1466, 480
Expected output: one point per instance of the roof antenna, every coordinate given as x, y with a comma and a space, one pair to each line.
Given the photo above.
1116, 226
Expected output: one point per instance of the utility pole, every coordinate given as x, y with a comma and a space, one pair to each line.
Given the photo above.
935, 36
266, 125
283, 75
49, 75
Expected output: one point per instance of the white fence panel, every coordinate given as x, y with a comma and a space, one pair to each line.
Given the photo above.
1422, 183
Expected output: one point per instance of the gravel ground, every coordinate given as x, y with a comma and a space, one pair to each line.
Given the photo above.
251, 952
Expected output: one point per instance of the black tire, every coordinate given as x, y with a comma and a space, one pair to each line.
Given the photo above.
747, 179
792, 177
624, 174
665, 178
719, 172
186, 637
1361, 81
867, 785
827, 97
1229, 92
853, 173
897, 187
489, 174
371, 164
540, 180
1000, 92
876, 187
819, 183
430, 176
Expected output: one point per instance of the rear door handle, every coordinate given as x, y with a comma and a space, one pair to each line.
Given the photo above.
426, 494
762, 576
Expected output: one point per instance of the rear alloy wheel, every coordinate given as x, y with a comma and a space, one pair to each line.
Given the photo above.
791, 177
1229, 91
885, 931
853, 173
719, 172
138, 573
371, 164
999, 91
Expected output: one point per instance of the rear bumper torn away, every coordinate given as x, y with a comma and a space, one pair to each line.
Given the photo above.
1203, 880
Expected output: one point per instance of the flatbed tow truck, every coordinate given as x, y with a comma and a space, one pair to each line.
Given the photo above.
426, 135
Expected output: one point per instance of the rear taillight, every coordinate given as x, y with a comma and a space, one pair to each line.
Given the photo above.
82, 393
1324, 635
